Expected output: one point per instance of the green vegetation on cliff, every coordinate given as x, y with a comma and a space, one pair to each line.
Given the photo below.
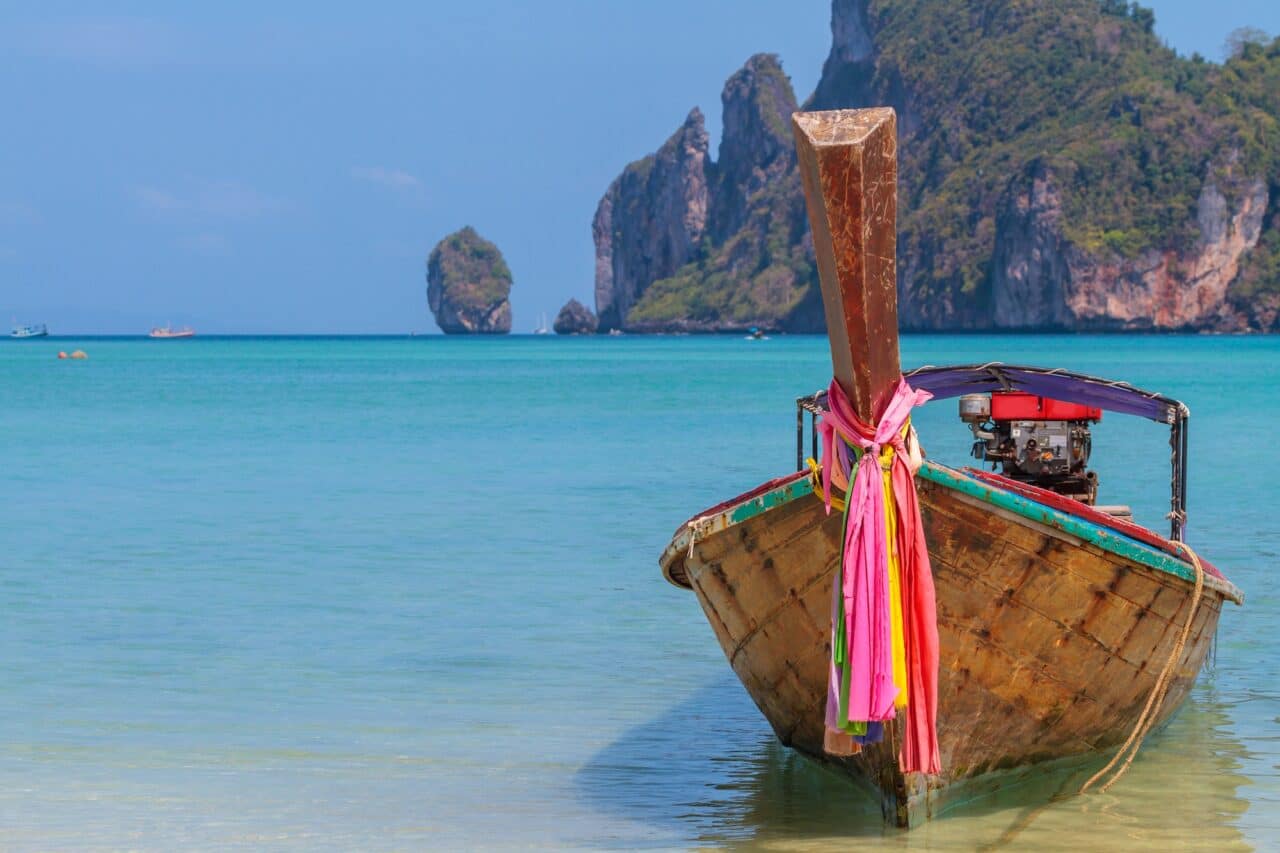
468, 283
751, 267
1085, 91
1059, 167
757, 277
475, 265
1250, 94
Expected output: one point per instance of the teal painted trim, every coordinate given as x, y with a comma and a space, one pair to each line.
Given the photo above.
763, 503
1101, 537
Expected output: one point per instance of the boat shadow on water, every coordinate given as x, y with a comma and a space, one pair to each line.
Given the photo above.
708, 771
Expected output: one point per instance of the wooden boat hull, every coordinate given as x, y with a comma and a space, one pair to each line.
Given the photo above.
1051, 635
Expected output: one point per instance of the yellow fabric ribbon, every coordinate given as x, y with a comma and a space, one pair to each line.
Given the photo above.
895, 585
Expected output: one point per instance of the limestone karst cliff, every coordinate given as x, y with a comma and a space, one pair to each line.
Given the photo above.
741, 259
650, 221
468, 285
1060, 168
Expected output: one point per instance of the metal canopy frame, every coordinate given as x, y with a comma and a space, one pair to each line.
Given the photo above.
1106, 394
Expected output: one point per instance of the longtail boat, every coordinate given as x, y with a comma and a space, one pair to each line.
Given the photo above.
1065, 631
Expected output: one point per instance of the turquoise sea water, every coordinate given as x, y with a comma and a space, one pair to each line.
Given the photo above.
403, 593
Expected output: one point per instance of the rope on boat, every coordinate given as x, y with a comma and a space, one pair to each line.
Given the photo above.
698, 528
1149, 714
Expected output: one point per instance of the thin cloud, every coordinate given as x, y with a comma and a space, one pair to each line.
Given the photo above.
222, 199
395, 179
137, 41
236, 200
157, 199
116, 41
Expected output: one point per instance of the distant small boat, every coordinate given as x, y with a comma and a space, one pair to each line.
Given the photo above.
170, 332
757, 334
36, 331
543, 328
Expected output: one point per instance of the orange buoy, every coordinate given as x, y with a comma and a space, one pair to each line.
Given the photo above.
62, 355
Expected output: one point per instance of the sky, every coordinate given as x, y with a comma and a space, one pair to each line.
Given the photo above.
287, 167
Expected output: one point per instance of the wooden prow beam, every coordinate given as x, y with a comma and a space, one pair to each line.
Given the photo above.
849, 165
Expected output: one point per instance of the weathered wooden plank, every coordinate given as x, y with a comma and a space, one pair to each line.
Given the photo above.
1047, 650
1024, 537
1069, 524
849, 166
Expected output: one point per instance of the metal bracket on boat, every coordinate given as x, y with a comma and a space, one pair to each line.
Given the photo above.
815, 404
1178, 463
994, 369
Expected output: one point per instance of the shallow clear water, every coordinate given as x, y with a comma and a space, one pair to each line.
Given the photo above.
403, 593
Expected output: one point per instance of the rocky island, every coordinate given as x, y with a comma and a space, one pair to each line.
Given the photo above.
575, 319
1061, 169
469, 285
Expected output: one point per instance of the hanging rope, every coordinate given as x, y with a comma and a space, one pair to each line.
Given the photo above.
1152, 710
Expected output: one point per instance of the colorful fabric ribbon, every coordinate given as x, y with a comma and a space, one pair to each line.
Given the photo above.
884, 637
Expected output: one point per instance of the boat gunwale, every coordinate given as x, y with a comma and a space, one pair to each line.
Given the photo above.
1058, 522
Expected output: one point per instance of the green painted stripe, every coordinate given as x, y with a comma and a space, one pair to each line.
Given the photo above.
769, 500
1104, 538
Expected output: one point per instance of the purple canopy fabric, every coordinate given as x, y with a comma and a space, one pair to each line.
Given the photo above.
1110, 396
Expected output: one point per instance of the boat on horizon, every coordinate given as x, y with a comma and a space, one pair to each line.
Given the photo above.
1065, 632
543, 328
166, 332
37, 330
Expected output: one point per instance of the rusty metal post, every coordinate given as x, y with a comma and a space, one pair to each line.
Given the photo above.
799, 436
849, 165
1181, 533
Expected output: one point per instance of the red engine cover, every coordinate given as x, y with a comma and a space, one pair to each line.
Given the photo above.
1021, 406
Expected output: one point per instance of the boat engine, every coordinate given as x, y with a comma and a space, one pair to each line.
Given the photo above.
1036, 440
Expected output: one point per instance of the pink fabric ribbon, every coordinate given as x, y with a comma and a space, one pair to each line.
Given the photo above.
920, 630
863, 587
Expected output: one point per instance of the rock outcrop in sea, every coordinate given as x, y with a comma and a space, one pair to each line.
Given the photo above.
1060, 168
575, 319
469, 285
